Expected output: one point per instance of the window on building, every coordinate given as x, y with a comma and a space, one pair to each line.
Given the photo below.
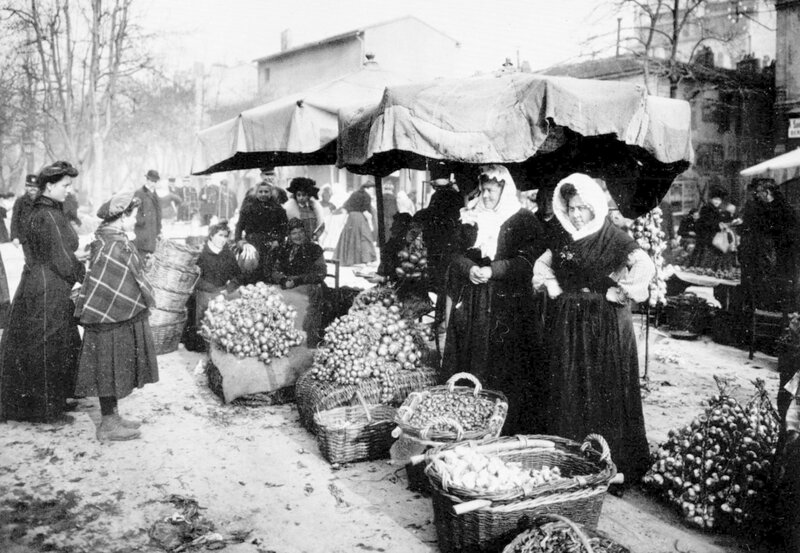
265, 74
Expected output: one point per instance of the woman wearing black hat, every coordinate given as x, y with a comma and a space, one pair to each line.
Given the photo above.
712, 220
118, 353
305, 206
39, 354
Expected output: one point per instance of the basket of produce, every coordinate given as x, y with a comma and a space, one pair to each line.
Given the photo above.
716, 470
358, 433
166, 337
483, 492
255, 344
315, 395
453, 413
168, 275
177, 254
552, 533
372, 348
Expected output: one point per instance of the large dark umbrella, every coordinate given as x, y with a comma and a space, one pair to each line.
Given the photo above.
542, 128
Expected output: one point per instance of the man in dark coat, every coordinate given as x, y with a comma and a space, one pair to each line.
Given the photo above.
148, 219
262, 223
22, 210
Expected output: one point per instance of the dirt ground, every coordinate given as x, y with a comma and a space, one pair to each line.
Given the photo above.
256, 470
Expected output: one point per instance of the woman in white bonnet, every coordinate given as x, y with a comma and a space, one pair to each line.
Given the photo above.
492, 322
591, 272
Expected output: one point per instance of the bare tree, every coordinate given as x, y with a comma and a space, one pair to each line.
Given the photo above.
678, 27
78, 54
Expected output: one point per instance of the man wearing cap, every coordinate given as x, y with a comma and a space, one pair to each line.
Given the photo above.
22, 210
148, 219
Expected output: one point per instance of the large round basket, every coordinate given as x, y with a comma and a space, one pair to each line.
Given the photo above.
556, 531
169, 300
171, 276
167, 337
469, 520
175, 253
355, 433
449, 427
160, 317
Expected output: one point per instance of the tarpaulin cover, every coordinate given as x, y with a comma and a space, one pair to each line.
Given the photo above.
550, 125
781, 168
299, 129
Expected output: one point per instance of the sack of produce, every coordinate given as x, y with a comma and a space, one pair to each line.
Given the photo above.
255, 345
413, 259
355, 433
716, 470
483, 491
553, 533
453, 413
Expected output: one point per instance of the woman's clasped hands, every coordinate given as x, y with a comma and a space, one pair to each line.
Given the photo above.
480, 275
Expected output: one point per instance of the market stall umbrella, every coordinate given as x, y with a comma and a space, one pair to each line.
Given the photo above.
543, 128
781, 168
299, 129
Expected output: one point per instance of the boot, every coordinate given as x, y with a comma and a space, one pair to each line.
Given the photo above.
111, 430
126, 423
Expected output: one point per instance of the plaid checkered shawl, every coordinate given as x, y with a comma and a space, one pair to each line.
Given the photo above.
115, 288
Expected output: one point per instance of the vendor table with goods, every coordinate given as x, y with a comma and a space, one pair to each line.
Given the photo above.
727, 284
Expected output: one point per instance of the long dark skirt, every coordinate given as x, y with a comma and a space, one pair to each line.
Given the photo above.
491, 334
593, 378
116, 358
39, 352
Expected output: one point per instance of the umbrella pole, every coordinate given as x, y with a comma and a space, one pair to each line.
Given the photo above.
379, 207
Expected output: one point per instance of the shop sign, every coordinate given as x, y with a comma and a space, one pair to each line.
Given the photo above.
794, 128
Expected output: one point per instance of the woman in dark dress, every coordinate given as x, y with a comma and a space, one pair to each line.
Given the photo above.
300, 270
355, 242
219, 272
590, 273
118, 352
712, 219
492, 324
40, 347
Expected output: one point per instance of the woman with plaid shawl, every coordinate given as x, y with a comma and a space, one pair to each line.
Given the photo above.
118, 353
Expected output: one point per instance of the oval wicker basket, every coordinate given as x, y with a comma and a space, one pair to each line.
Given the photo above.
160, 317
447, 427
173, 252
361, 432
167, 337
543, 527
169, 300
170, 276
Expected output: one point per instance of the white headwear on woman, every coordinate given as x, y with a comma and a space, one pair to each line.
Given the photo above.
488, 220
592, 195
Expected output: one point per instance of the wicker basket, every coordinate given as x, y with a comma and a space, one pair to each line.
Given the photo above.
358, 433
583, 539
438, 429
170, 300
315, 395
467, 521
161, 317
175, 253
167, 337
172, 277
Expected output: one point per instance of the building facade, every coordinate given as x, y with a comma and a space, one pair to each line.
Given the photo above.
787, 76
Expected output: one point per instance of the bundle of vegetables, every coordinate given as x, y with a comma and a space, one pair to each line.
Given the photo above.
465, 468
473, 412
562, 536
646, 230
372, 341
247, 258
734, 273
716, 469
413, 259
256, 324
381, 295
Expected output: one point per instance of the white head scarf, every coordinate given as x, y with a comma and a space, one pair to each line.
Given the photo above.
592, 194
488, 220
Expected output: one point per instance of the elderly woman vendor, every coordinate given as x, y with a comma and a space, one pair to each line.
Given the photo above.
591, 272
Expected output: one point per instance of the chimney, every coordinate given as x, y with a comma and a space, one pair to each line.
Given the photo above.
286, 39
